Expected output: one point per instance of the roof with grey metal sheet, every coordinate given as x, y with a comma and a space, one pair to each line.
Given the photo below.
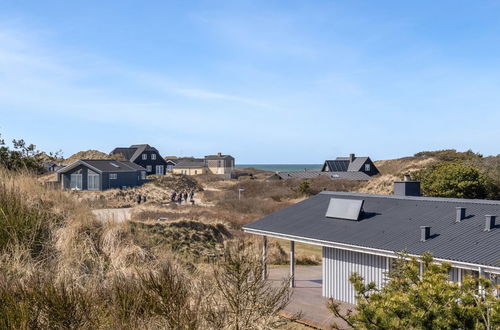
216, 157
392, 223
357, 164
190, 164
105, 165
355, 176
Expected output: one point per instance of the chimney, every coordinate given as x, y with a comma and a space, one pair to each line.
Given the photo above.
407, 187
460, 214
490, 222
406, 177
352, 157
425, 233
219, 154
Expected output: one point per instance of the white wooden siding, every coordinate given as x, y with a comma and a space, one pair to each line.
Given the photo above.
339, 265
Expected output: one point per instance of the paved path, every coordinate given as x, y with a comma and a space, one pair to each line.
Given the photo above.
307, 297
118, 215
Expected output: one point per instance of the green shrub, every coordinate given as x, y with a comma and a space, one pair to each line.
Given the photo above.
453, 179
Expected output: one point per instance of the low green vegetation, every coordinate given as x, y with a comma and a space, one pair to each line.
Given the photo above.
454, 179
428, 301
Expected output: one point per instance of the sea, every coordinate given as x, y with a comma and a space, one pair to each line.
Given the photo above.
282, 167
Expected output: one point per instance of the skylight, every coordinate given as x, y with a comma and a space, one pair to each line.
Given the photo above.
115, 165
349, 209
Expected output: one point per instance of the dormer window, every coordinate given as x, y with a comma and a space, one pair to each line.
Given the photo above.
144, 156
367, 167
153, 156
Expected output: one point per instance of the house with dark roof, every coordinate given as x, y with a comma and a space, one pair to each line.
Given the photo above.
144, 155
350, 164
364, 233
342, 168
92, 174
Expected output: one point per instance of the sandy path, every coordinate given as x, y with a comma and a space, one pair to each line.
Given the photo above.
118, 215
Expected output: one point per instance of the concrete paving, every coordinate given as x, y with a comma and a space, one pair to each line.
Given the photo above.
307, 298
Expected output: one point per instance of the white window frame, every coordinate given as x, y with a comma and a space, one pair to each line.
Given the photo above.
367, 167
144, 156
153, 156
159, 170
143, 175
149, 168
92, 180
113, 176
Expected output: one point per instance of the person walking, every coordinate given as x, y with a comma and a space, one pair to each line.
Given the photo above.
179, 198
172, 197
186, 196
191, 195
138, 199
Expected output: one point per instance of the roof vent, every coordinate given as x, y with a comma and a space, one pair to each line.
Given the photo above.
348, 209
425, 233
352, 157
407, 188
460, 214
490, 222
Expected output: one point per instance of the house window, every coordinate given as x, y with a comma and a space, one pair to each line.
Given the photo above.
144, 156
195, 171
92, 180
113, 176
367, 167
149, 168
143, 175
153, 156
159, 169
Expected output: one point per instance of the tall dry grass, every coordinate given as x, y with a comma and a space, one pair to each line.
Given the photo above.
60, 268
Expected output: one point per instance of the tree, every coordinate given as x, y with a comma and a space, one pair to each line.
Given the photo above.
454, 179
428, 301
240, 297
23, 156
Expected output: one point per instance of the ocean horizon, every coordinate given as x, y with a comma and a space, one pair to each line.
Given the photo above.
282, 167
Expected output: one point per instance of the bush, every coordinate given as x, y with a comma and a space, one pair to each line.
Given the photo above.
429, 301
453, 179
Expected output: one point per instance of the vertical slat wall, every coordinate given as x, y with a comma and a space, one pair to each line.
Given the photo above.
338, 265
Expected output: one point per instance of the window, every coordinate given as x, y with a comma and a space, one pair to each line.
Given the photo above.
143, 175
195, 171
76, 181
113, 176
144, 156
153, 156
159, 169
92, 180
149, 168
367, 167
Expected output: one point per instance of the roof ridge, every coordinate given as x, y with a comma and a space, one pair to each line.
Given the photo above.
415, 198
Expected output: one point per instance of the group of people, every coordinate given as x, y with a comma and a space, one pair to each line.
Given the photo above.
182, 196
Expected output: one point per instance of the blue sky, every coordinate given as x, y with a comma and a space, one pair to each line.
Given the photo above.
266, 81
